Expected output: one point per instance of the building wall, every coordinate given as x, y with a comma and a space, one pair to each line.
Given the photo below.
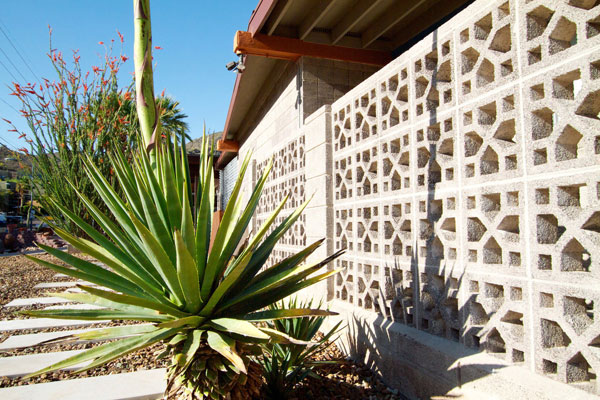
467, 187
464, 181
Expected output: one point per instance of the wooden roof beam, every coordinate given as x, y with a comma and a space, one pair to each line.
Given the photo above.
314, 17
362, 8
291, 49
396, 13
276, 15
231, 146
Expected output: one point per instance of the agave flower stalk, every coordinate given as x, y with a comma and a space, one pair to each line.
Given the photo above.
144, 81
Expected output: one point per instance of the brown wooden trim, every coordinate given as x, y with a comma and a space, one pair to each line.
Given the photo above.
216, 221
292, 49
228, 145
260, 15
220, 164
236, 87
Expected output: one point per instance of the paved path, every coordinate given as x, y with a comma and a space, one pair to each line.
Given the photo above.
140, 385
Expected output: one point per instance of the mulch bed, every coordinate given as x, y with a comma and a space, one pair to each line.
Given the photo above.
18, 276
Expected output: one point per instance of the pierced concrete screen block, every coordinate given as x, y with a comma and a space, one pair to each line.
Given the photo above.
491, 145
286, 179
498, 321
566, 228
467, 186
556, 30
567, 335
488, 50
561, 117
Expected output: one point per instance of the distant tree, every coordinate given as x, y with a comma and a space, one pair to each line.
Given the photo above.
76, 116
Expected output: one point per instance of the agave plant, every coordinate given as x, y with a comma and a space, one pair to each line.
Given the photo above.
286, 364
161, 267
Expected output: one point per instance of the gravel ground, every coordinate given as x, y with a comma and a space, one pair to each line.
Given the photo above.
18, 276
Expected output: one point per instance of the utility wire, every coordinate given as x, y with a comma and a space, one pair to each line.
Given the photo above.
7, 70
8, 144
17, 51
5, 102
14, 66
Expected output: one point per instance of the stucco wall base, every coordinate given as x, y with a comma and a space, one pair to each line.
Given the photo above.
423, 366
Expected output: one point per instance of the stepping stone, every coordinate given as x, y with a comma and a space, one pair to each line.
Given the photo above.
16, 366
140, 385
43, 323
17, 341
47, 285
36, 300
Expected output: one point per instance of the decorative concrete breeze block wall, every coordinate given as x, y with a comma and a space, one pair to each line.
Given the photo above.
466, 186
464, 181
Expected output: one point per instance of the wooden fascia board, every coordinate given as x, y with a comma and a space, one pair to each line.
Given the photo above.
236, 88
260, 15
292, 49
231, 146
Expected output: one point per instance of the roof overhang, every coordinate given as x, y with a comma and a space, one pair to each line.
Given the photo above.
364, 31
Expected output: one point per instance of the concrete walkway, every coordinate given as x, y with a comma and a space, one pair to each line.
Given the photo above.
140, 385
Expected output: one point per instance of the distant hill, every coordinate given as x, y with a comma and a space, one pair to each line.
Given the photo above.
13, 163
196, 144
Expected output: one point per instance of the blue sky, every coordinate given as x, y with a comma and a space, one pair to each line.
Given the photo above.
196, 37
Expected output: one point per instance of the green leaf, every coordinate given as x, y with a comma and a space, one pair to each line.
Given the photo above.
192, 321
161, 260
121, 301
227, 226
280, 337
188, 275
240, 327
85, 276
97, 315
135, 343
226, 347
116, 332
270, 315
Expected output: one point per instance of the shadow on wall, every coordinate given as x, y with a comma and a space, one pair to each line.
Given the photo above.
422, 365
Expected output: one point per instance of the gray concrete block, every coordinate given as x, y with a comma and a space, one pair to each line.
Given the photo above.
16, 366
35, 300
42, 323
140, 385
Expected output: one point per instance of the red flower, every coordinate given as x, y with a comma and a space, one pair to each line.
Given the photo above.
120, 36
100, 43
158, 47
123, 58
24, 150
7, 121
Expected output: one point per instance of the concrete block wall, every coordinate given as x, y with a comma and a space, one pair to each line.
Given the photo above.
325, 81
466, 188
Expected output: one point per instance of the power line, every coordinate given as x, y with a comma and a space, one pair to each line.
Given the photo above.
5, 102
14, 66
7, 70
8, 144
17, 51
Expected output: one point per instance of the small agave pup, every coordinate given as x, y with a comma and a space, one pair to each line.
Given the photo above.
161, 267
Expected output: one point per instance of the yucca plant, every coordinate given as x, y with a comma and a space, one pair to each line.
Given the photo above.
160, 266
287, 364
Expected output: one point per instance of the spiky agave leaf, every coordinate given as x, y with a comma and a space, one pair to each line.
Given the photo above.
160, 266
285, 365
